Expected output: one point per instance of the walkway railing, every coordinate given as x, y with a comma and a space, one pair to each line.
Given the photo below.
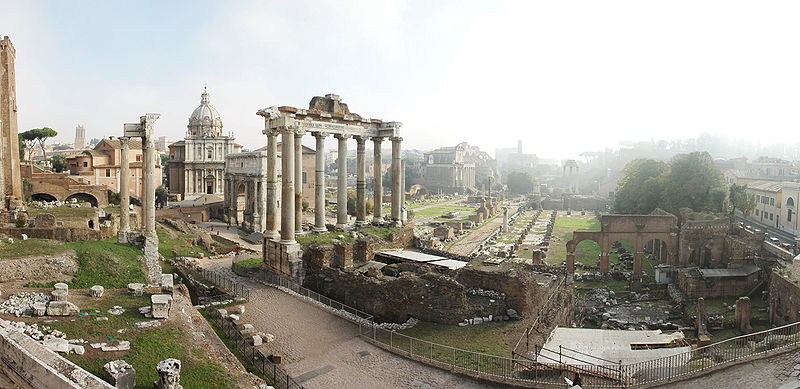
256, 358
542, 367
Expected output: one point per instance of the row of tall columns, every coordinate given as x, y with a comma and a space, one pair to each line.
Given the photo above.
124, 191
292, 185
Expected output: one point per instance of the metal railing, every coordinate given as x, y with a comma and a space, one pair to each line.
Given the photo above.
256, 358
226, 284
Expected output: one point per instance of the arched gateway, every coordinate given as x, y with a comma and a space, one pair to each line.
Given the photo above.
639, 230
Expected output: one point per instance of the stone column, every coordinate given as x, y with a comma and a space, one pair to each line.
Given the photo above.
377, 180
571, 263
319, 183
603, 263
262, 200
341, 189
637, 262
151, 255
287, 185
361, 185
743, 313
397, 196
403, 210
271, 231
124, 191
298, 181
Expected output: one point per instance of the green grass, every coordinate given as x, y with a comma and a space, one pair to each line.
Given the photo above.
148, 346
182, 244
380, 232
488, 338
441, 210
30, 247
106, 263
64, 213
323, 238
251, 262
586, 252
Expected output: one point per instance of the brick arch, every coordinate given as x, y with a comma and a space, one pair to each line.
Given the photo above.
85, 197
43, 197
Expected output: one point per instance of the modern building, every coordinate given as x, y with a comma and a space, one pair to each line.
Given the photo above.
101, 165
776, 204
197, 164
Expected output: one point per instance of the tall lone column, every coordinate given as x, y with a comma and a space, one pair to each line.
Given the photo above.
151, 255
298, 181
124, 191
397, 196
341, 189
319, 183
287, 185
377, 181
272, 185
361, 185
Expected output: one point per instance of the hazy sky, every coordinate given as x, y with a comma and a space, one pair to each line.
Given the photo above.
562, 76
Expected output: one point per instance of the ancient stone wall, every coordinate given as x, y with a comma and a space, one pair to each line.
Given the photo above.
784, 299
39, 268
716, 287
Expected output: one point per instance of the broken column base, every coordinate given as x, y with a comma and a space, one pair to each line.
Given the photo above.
284, 259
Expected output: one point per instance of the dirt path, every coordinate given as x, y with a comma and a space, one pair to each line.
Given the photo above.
322, 350
470, 242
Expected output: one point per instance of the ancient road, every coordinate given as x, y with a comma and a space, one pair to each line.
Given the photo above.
323, 350
470, 242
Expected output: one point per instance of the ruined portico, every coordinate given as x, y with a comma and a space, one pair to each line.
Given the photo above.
325, 116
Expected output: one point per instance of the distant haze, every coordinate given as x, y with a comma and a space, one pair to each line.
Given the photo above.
563, 77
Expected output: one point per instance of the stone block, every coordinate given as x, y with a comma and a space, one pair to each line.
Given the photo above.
44, 220
238, 310
61, 286
160, 305
96, 291
136, 288
167, 283
58, 345
77, 349
239, 324
121, 374
169, 371
119, 345
247, 329
61, 308
58, 295
222, 313
256, 340
39, 309
233, 317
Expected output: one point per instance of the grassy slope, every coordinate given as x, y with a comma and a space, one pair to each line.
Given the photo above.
23, 248
489, 338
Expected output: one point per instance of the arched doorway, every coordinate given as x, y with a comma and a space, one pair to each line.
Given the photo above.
210, 184
83, 198
43, 197
620, 255
241, 202
588, 253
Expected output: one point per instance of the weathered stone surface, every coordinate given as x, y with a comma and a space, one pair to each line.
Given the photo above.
39, 268
44, 220
39, 308
169, 371
62, 308
256, 340
56, 344
121, 345
58, 295
77, 349
96, 291
160, 305
167, 283
136, 288
743, 315
122, 375
61, 286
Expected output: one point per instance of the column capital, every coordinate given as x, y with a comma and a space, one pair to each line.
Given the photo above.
320, 134
342, 136
360, 139
377, 139
396, 139
299, 132
288, 129
271, 132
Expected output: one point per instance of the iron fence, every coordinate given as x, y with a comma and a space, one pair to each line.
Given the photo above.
224, 283
256, 358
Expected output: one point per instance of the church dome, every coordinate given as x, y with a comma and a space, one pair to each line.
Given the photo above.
205, 120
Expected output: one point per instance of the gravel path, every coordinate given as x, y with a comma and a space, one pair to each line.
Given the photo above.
324, 351
770, 373
470, 242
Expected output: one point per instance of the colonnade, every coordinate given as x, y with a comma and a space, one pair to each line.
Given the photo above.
291, 181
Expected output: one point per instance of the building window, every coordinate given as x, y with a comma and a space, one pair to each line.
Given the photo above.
138, 158
770, 216
209, 153
772, 201
758, 212
85, 164
789, 215
790, 202
305, 178
108, 172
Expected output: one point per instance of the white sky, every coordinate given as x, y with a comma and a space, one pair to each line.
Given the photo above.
562, 76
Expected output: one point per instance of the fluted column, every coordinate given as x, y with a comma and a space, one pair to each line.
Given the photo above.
149, 167
361, 185
298, 181
124, 191
377, 181
271, 231
341, 190
396, 184
319, 183
287, 185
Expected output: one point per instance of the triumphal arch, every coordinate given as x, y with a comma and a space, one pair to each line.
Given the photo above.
325, 116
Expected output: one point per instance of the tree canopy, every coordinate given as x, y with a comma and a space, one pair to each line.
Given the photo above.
741, 200
519, 182
690, 180
59, 162
36, 136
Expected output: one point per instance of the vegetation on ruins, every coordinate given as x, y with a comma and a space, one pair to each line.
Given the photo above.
351, 203
689, 181
59, 162
519, 182
741, 200
161, 196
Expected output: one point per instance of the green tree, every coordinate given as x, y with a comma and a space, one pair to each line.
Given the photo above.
62, 147
161, 196
59, 162
740, 200
640, 188
519, 182
21, 148
691, 182
36, 136
351, 203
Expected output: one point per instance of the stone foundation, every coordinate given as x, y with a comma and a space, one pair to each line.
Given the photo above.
284, 259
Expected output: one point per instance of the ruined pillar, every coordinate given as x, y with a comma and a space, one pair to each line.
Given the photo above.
396, 184
538, 256
341, 188
603, 263
298, 181
571, 263
637, 262
319, 183
702, 321
377, 181
169, 374
361, 185
124, 191
151, 255
10, 178
261, 208
743, 315
287, 185
271, 231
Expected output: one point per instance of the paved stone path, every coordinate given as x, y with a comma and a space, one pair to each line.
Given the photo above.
324, 350
470, 242
771, 373
232, 233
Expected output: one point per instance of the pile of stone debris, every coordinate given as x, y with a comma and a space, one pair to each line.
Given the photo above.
21, 304
52, 339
